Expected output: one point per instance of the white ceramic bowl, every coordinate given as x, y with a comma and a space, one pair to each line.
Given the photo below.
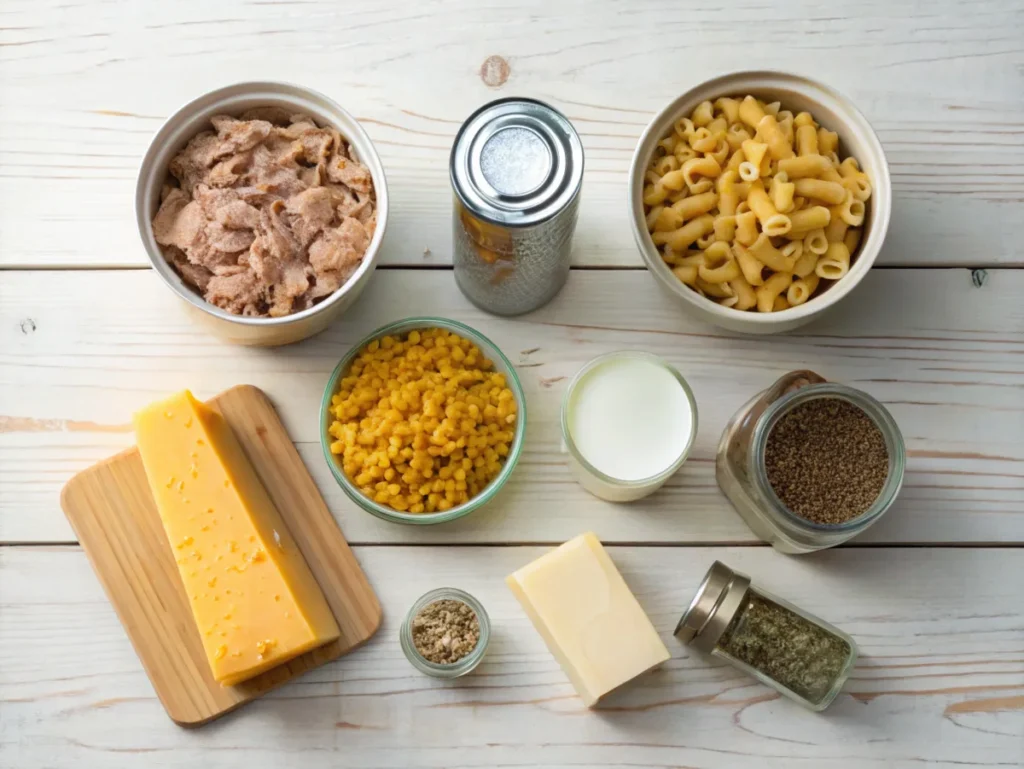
830, 109
194, 117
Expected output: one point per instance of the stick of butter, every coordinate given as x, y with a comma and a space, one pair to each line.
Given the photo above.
591, 622
254, 599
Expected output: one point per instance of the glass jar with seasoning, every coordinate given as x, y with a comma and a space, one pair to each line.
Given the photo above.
745, 451
786, 648
416, 650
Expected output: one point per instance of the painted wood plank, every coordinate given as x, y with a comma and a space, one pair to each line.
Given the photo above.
940, 682
86, 85
79, 351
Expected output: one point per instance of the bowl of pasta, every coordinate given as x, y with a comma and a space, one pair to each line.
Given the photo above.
759, 199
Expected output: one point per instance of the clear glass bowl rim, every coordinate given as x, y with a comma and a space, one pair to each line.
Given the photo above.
493, 353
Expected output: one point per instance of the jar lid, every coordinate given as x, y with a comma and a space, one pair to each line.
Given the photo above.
718, 599
516, 162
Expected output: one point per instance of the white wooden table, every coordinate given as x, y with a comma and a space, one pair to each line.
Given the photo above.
934, 593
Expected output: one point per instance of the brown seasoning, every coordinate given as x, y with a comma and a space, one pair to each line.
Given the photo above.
827, 460
445, 631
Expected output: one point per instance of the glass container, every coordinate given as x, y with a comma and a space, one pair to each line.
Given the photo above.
589, 477
782, 646
501, 364
455, 669
741, 474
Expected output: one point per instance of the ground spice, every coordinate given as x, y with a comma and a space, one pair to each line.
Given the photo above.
827, 460
445, 631
800, 655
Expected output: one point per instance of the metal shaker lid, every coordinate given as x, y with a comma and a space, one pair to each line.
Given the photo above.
516, 162
718, 599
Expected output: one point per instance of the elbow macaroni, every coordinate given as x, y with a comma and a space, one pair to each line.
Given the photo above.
752, 206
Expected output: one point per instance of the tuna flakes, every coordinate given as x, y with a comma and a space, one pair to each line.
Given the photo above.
267, 214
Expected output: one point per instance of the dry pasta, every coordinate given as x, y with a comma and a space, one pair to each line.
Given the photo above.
800, 290
746, 297
751, 205
752, 269
805, 263
835, 263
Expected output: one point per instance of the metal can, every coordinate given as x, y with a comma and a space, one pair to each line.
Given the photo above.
516, 169
194, 117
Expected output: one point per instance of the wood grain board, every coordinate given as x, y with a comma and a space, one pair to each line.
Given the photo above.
932, 593
942, 91
940, 352
939, 683
111, 510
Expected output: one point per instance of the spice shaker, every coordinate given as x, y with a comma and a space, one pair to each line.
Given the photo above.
516, 170
743, 477
786, 648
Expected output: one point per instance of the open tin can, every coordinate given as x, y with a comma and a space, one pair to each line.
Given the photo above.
516, 169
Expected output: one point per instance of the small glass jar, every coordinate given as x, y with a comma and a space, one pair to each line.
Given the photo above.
600, 484
454, 669
786, 648
740, 466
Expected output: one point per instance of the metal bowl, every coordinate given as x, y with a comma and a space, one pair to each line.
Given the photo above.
194, 117
501, 364
830, 109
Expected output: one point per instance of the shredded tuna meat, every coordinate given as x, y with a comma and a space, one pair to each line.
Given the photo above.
267, 214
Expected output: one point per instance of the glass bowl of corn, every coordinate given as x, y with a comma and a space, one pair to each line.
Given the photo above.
423, 421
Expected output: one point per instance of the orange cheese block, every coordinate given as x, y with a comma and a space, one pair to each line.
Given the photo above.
253, 597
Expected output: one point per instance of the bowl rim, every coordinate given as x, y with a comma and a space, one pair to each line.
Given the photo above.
494, 353
727, 84
283, 91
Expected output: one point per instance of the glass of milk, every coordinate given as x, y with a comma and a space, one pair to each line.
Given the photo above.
628, 422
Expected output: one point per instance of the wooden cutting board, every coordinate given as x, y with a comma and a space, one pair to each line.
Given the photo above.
116, 520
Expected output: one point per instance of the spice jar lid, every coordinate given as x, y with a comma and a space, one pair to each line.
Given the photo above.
718, 599
516, 162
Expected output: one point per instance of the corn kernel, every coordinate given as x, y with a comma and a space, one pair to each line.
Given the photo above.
421, 422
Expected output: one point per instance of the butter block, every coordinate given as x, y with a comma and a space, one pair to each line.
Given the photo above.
254, 599
589, 619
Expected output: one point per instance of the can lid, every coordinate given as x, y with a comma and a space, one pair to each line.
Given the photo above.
718, 599
516, 162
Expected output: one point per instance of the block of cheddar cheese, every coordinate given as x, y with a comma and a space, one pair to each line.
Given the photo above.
591, 622
255, 602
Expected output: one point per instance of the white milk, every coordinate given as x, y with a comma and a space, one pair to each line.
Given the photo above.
631, 419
